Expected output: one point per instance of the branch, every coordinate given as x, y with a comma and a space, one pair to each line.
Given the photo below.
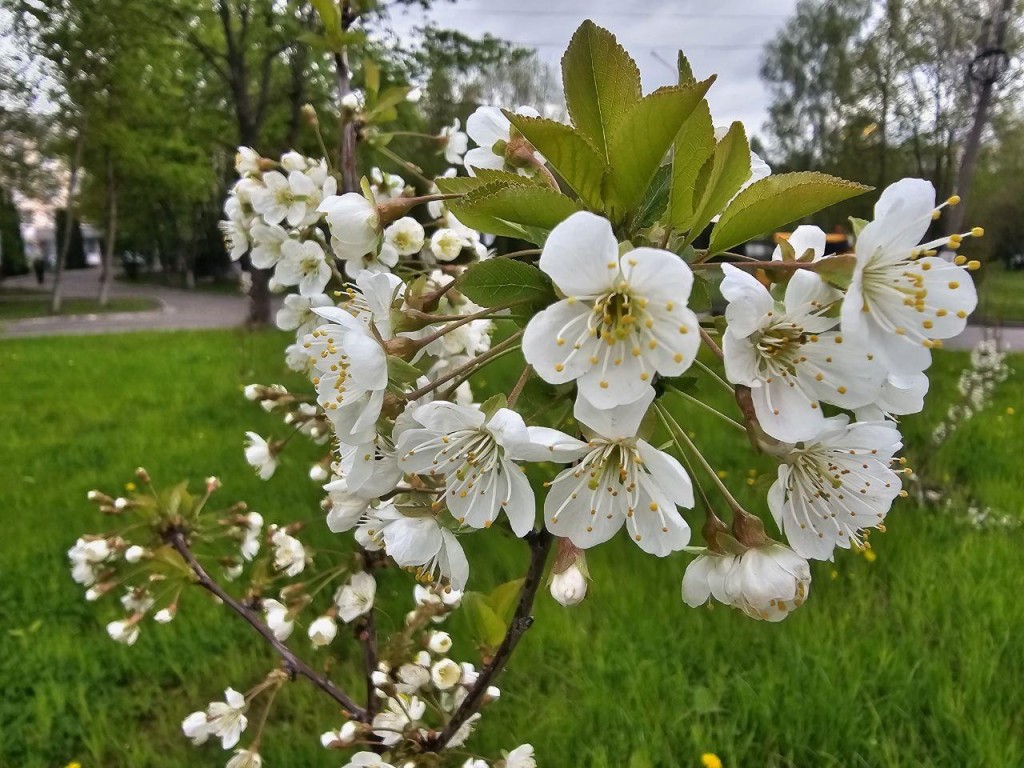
540, 544
293, 664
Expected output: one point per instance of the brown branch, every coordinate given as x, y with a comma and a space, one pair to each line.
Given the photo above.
540, 544
717, 350
292, 663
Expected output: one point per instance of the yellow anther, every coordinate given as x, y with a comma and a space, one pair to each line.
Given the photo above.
960, 260
973, 265
559, 367
841, 390
953, 200
604, 385
977, 232
677, 357
953, 285
927, 324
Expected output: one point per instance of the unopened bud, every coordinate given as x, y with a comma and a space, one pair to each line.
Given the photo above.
749, 530
569, 587
142, 475
309, 114
212, 484
134, 553
402, 347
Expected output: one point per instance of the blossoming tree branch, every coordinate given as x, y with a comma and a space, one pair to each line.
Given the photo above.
400, 305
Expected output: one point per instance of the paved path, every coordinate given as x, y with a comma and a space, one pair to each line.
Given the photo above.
179, 308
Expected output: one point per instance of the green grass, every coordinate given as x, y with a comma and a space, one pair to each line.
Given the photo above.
27, 305
914, 659
228, 285
1000, 294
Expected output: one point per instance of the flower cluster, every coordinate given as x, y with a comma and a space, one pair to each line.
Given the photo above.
401, 314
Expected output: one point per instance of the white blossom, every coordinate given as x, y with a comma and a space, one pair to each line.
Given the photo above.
343, 737
277, 619
245, 758
196, 728
834, 485
492, 131
521, 757
898, 301
401, 712
260, 456
304, 263
445, 674
285, 197
621, 479
439, 642
289, 554
476, 457
297, 313
354, 224
405, 236
420, 541
86, 558
765, 582
623, 320
267, 240
790, 357
252, 528
455, 142
247, 161
125, 632
367, 760
446, 244
322, 631
356, 598
226, 719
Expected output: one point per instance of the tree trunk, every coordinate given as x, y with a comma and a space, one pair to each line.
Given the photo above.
107, 275
69, 222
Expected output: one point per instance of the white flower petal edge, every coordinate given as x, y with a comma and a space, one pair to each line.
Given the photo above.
624, 319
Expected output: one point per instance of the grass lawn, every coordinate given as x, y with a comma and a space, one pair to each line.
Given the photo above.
1001, 293
228, 285
18, 305
914, 659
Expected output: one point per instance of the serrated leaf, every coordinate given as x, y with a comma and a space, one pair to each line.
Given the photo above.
684, 69
729, 168
570, 153
642, 140
503, 599
601, 83
526, 212
770, 203
505, 281
694, 144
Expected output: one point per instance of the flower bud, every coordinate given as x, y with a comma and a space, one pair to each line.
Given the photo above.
166, 615
440, 643
323, 631
493, 693
134, 553
142, 475
309, 114
318, 473
569, 587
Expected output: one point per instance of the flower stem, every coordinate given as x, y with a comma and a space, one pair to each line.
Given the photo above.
678, 434
718, 379
710, 343
709, 409
472, 364
540, 543
517, 390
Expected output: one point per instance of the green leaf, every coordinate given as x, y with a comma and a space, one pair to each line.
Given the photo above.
505, 281
601, 83
769, 203
401, 373
725, 173
371, 79
570, 153
504, 598
641, 141
656, 200
526, 212
330, 16
390, 98
493, 404
485, 626
693, 146
857, 225
684, 69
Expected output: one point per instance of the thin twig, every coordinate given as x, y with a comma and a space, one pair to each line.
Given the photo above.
709, 409
517, 390
540, 543
292, 663
706, 338
472, 365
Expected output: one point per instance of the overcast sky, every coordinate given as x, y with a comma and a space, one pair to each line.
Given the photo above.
720, 36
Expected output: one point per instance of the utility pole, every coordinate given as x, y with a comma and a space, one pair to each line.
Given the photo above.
985, 69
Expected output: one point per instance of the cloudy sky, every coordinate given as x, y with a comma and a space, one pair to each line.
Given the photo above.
724, 37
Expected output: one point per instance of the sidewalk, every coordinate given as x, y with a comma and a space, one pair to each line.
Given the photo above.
179, 309
182, 310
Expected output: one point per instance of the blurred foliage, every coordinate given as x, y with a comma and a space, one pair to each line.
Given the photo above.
875, 90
